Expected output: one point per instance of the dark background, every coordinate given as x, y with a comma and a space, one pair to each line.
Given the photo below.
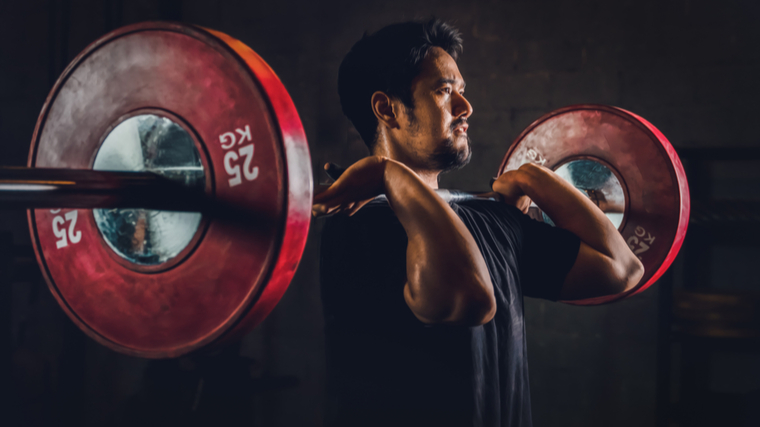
691, 68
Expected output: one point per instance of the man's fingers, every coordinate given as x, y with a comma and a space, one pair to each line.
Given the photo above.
336, 206
319, 189
351, 186
328, 202
337, 188
317, 210
326, 194
334, 171
358, 205
322, 210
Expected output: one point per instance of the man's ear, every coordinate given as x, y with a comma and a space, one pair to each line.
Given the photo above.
382, 106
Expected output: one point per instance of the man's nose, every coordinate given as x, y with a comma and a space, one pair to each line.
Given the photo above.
461, 107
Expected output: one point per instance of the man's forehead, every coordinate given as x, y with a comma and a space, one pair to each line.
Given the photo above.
439, 67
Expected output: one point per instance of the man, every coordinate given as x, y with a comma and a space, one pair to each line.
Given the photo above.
422, 298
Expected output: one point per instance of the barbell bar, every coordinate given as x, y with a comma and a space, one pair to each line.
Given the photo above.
169, 187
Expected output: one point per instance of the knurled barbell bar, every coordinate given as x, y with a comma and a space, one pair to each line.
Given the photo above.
170, 186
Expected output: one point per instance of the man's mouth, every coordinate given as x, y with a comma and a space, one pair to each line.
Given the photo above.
461, 127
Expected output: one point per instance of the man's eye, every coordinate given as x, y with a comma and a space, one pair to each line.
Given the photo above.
446, 90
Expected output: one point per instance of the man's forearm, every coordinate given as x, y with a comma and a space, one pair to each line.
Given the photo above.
570, 209
605, 264
447, 278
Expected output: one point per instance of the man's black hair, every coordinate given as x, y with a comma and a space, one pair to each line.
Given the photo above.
388, 61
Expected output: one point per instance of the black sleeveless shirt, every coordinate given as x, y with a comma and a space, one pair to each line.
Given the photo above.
386, 368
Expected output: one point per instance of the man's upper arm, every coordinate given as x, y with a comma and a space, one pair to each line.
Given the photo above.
557, 265
589, 276
363, 268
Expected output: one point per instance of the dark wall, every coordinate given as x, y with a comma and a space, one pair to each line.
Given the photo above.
691, 68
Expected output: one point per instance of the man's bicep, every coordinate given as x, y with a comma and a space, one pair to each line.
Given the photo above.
593, 275
589, 276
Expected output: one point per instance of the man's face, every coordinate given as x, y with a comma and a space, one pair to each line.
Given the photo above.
434, 133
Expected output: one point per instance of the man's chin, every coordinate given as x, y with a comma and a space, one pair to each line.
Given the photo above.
463, 158
452, 155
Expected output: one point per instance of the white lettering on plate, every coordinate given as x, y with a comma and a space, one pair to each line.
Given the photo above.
231, 164
640, 241
535, 156
64, 235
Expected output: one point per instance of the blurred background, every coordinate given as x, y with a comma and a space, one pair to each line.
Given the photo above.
684, 353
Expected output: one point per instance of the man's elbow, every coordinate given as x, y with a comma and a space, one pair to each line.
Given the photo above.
635, 274
629, 274
466, 309
476, 311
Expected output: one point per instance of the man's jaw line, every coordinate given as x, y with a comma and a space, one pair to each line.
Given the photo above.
429, 170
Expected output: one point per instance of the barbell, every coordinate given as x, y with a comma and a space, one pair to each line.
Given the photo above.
169, 187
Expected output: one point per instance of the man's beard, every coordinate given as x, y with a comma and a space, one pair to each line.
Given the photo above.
447, 157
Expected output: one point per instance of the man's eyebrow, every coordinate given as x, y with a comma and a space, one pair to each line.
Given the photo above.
444, 81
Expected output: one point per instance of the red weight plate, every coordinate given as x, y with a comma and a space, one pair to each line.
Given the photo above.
230, 277
657, 194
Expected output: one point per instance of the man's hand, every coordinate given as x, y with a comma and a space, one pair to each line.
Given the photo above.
355, 187
509, 190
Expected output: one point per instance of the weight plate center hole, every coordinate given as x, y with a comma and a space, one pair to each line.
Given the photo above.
149, 143
598, 183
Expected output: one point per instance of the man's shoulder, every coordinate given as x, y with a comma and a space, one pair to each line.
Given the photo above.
487, 212
375, 222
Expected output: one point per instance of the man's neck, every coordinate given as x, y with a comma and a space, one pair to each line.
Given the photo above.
427, 176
